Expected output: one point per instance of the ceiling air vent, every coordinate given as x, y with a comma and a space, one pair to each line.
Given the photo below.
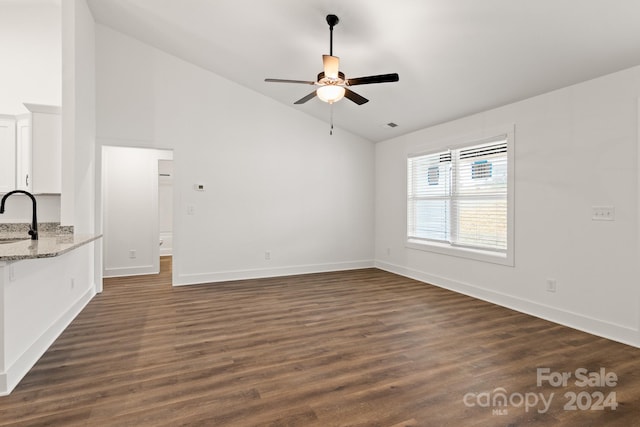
391, 125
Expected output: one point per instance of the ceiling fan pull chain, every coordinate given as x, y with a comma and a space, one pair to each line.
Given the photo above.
331, 119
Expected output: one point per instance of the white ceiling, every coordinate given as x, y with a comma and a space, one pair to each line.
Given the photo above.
454, 57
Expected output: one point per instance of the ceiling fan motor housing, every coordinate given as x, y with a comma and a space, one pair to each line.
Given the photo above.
322, 79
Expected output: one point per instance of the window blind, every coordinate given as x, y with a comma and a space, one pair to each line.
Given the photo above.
459, 196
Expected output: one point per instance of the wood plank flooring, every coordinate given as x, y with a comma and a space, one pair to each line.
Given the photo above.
355, 348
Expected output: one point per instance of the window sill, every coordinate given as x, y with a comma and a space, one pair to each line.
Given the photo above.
474, 254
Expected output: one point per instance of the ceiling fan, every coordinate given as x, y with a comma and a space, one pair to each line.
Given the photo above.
333, 85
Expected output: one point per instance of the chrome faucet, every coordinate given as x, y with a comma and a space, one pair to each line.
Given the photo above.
33, 229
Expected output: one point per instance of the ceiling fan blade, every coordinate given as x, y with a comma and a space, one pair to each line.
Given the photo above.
304, 82
331, 66
306, 98
382, 78
358, 99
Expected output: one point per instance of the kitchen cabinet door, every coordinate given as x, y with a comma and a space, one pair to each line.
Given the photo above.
7, 154
46, 149
23, 152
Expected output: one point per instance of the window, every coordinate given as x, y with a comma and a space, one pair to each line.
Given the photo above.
458, 200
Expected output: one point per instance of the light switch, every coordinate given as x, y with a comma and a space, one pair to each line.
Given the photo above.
603, 213
191, 209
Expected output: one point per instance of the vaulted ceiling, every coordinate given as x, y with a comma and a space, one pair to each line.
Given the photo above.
454, 57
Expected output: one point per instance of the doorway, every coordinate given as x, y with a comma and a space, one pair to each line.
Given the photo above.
137, 204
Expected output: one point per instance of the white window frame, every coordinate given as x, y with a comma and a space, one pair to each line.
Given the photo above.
504, 258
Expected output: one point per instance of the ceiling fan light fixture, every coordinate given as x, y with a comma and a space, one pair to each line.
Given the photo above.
330, 93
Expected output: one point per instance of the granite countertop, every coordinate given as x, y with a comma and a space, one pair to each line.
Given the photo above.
44, 247
50, 243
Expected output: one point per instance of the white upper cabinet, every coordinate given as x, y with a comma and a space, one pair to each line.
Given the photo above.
23, 152
7, 153
31, 150
39, 150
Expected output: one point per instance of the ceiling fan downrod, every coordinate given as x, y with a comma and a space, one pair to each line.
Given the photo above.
332, 20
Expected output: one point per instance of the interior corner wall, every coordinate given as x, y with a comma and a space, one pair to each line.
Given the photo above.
281, 196
575, 148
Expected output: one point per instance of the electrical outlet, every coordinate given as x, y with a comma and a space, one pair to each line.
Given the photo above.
73, 283
191, 209
388, 251
552, 285
132, 254
603, 213
267, 255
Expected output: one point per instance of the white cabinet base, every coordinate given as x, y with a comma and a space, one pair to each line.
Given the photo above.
38, 299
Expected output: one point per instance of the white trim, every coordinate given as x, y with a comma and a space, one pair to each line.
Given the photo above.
225, 276
461, 252
624, 334
138, 270
14, 374
638, 207
43, 109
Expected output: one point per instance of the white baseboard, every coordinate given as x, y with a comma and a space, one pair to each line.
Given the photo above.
139, 270
10, 379
225, 276
609, 330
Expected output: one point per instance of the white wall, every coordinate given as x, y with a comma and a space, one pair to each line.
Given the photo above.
18, 209
574, 148
30, 53
275, 181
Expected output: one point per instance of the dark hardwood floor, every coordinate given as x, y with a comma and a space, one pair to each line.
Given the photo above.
355, 348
